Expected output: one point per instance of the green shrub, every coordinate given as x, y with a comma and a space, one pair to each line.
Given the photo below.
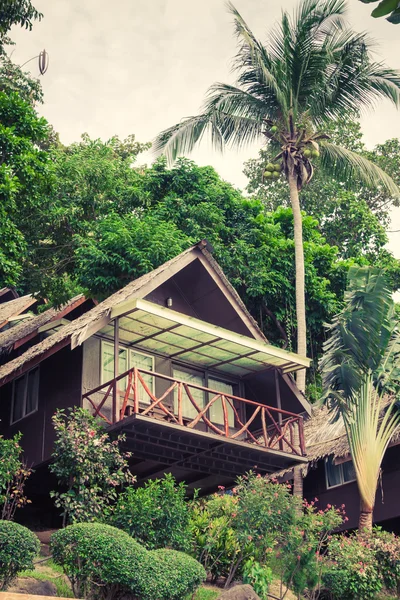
169, 575
353, 573
258, 576
386, 547
98, 559
103, 562
156, 515
18, 548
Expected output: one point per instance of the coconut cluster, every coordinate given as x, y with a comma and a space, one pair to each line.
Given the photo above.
272, 171
310, 152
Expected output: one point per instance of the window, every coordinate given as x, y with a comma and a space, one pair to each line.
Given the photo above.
128, 359
338, 474
216, 410
216, 413
25, 395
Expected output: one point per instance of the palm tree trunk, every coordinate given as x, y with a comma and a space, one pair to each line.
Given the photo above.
300, 287
365, 519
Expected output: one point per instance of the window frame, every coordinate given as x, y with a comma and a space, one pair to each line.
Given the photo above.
342, 481
128, 350
25, 414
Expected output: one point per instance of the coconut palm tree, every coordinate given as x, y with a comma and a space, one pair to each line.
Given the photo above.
312, 68
361, 376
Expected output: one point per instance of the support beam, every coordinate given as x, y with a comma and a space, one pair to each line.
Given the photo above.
115, 404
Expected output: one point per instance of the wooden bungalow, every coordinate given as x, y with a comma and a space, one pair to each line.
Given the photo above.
175, 362
330, 475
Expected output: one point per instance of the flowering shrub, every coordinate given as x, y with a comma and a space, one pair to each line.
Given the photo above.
89, 464
13, 475
386, 547
259, 523
353, 573
156, 515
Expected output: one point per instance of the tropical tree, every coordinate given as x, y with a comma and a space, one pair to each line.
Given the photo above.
312, 69
361, 376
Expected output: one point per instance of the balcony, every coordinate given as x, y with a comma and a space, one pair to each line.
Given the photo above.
164, 422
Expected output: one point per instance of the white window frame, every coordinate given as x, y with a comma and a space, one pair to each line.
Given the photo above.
128, 349
340, 467
25, 414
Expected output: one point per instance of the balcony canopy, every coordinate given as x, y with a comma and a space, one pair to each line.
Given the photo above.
157, 328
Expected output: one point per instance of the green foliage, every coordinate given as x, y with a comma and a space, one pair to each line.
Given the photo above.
386, 7
13, 476
156, 515
215, 541
100, 561
386, 547
89, 464
120, 249
16, 12
18, 548
354, 572
169, 575
25, 182
260, 525
258, 576
13, 79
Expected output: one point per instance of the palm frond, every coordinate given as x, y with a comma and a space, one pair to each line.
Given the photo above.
354, 169
182, 137
360, 336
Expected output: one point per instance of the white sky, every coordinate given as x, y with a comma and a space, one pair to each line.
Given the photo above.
138, 66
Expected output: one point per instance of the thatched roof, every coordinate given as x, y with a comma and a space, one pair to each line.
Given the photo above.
31, 326
325, 436
15, 307
77, 331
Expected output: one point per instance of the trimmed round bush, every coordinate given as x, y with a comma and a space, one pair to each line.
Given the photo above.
96, 558
18, 548
102, 561
169, 575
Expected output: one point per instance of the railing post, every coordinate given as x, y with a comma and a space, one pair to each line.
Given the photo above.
301, 436
226, 422
180, 415
135, 391
115, 401
278, 405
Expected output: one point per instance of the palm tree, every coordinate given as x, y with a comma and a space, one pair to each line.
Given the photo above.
312, 69
361, 377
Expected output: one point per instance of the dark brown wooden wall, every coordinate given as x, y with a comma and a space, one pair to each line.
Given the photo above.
386, 507
59, 387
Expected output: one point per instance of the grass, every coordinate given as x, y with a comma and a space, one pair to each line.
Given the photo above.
206, 593
49, 571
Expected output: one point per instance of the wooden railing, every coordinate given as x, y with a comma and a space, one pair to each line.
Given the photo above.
255, 423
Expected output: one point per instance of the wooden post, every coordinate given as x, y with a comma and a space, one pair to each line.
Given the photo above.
115, 404
135, 391
278, 405
180, 399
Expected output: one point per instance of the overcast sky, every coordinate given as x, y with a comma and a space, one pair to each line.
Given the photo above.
138, 66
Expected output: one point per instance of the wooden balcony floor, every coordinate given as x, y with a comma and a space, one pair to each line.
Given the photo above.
201, 459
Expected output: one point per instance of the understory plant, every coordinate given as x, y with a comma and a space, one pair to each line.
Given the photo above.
104, 563
88, 464
18, 548
13, 476
157, 515
353, 572
258, 524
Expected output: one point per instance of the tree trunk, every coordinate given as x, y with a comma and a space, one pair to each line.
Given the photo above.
365, 519
300, 287
300, 307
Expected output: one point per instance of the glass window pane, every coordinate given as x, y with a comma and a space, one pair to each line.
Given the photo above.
108, 364
349, 473
19, 398
216, 409
143, 361
333, 473
32, 394
188, 410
